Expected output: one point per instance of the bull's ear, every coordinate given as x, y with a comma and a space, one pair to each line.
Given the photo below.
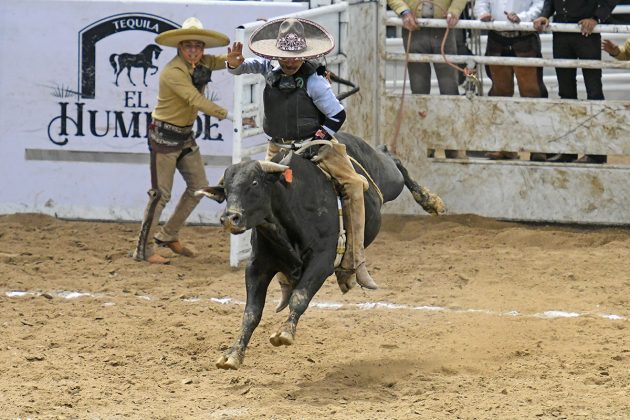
272, 167
216, 193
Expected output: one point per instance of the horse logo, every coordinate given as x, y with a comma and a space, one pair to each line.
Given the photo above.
144, 59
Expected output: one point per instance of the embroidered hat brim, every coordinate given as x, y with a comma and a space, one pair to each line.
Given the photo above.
263, 42
210, 38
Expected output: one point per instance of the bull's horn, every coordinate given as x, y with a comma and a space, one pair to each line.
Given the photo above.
272, 167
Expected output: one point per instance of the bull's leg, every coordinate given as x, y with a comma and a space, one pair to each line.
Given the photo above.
257, 283
430, 202
310, 283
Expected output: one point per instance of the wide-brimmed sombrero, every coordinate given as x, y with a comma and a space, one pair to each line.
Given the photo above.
192, 30
292, 38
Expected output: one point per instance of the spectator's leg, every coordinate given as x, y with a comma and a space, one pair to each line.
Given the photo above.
419, 73
529, 79
563, 47
590, 49
446, 75
502, 81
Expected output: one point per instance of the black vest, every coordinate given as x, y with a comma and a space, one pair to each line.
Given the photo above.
289, 112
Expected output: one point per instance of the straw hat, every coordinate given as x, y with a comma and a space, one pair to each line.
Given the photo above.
292, 38
192, 30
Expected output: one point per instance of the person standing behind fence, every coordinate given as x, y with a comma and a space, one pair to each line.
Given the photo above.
585, 45
429, 41
619, 53
512, 44
171, 137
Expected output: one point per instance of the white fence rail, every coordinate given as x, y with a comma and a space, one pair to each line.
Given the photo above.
521, 189
612, 68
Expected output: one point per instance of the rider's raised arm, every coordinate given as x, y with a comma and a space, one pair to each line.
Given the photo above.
252, 65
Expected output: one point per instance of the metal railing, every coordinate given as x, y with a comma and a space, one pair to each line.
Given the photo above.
616, 71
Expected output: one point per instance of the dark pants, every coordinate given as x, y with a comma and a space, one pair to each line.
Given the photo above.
575, 45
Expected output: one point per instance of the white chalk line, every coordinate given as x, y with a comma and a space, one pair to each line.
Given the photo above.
326, 305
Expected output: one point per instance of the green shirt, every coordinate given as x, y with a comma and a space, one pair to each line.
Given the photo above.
178, 100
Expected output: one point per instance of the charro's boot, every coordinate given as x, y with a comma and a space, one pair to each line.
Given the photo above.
354, 258
335, 160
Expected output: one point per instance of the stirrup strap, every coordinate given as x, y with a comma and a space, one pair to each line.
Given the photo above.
341, 241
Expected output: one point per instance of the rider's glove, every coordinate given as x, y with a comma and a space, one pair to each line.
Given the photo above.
322, 134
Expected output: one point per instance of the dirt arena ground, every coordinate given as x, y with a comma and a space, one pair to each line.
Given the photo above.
475, 319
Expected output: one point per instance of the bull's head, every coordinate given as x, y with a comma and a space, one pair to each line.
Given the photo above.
247, 188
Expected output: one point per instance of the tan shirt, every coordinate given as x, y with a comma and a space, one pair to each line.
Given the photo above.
178, 100
440, 7
624, 51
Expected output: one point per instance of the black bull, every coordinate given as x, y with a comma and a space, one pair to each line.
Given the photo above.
296, 226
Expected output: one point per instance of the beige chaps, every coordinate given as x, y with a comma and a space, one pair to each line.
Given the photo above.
163, 165
336, 162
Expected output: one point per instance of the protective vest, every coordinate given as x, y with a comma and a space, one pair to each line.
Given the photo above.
289, 112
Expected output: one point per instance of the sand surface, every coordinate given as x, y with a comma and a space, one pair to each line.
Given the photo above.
476, 319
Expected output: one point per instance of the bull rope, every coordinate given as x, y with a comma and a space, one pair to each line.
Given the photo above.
469, 73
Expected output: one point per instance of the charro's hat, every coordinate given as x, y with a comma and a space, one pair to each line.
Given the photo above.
192, 30
292, 38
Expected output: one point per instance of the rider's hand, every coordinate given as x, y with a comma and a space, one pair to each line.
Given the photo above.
235, 55
322, 134
486, 17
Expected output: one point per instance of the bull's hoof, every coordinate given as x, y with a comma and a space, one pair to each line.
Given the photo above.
281, 338
228, 362
345, 280
430, 202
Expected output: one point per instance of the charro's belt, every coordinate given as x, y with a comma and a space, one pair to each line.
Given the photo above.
171, 132
512, 34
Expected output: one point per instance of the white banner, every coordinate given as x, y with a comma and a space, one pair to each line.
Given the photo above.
78, 84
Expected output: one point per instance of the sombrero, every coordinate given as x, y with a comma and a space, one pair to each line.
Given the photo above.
292, 38
192, 30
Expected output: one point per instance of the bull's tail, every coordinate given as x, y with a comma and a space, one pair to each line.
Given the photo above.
430, 202
112, 61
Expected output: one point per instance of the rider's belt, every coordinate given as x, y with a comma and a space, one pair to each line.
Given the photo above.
512, 34
170, 133
294, 143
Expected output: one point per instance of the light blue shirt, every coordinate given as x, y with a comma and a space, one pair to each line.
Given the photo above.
317, 87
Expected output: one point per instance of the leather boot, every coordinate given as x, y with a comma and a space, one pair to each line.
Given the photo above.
156, 259
592, 159
562, 157
335, 160
177, 247
502, 155
364, 279
455, 154
354, 216
180, 249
